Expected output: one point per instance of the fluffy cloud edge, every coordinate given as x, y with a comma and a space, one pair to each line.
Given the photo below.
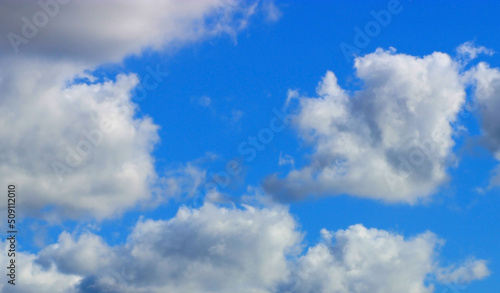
218, 248
392, 139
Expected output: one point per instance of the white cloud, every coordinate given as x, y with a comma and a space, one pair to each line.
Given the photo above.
210, 249
217, 249
487, 100
183, 182
31, 277
206, 250
468, 51
96, 32
272, 11
285, 159
77, 148
468, 271
47, 116
390, 140
370, 260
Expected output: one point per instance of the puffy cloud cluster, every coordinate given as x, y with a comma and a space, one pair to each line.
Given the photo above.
371, 260
367, 260
391, 140
74, 145
78, 149
217, 249
210, 249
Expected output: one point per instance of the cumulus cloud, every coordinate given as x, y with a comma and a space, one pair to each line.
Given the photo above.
391, 140
73, 144
370, 260
250, 249
210, 249
78, 148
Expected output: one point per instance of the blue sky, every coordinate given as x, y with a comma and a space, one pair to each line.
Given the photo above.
215, 87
